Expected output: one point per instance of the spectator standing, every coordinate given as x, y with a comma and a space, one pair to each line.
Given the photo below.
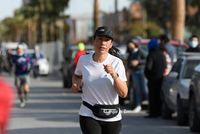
193, 44
136, 63
9, 59
36, 56
104, 78
155, 66
171, 50
23, 65
168, 59
81, 51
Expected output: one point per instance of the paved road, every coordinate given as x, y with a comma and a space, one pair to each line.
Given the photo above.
54, 110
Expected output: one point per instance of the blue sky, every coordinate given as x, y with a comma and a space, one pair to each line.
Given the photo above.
75, 6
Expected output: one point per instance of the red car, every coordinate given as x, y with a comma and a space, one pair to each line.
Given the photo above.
180, 47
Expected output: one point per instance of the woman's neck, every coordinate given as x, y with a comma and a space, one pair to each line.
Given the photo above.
99, 58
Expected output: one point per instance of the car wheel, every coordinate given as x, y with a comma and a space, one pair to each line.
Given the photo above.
182, 118
194, 121
166, 112
46, 75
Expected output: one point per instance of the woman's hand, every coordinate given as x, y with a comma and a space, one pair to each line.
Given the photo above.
76, 82
75, 88
109, 69
134, 63
121, 87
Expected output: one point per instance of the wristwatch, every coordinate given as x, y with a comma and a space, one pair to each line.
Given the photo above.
117, 76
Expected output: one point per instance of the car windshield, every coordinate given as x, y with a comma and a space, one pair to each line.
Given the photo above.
189, 68
180, 48
144, 46
30, 55
72, 53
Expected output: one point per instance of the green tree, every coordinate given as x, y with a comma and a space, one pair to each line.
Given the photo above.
153, 30
192, 21
49, 11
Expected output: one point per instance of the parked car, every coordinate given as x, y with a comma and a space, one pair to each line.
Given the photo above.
43, 63
194, 101
175, 88
67, 65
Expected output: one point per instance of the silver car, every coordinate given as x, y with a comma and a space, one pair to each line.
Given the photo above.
194, 97
67, 68
175, 88
42, 63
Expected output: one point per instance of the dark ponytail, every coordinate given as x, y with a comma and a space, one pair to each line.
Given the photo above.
114, 51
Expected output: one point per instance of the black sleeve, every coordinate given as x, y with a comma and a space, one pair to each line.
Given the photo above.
149, 66
129, 61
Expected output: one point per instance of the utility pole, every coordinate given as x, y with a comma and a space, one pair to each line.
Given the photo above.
41, 10
116, 5
178, 19
96, 15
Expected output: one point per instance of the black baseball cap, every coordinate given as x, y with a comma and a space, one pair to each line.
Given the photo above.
104, 31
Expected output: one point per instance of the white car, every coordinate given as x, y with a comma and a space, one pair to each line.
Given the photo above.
42, 62
12, 46
175, 88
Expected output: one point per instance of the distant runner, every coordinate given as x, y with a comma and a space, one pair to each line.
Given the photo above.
23, 65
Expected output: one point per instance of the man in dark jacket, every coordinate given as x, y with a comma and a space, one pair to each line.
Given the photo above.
155, 66
194, 44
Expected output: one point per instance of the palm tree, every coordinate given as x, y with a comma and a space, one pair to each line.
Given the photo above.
178, 19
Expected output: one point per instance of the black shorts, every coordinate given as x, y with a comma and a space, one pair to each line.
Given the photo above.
91, 126
22, 80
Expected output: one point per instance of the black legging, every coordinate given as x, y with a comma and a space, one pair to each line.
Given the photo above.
92, 126
155, 103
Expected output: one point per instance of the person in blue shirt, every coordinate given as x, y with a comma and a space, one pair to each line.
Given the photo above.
22, 64
37, 54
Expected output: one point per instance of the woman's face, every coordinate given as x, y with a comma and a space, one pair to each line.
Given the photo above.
102, 44
131, 45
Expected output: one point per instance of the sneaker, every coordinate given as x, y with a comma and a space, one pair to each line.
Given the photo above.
22, 105
137, 109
